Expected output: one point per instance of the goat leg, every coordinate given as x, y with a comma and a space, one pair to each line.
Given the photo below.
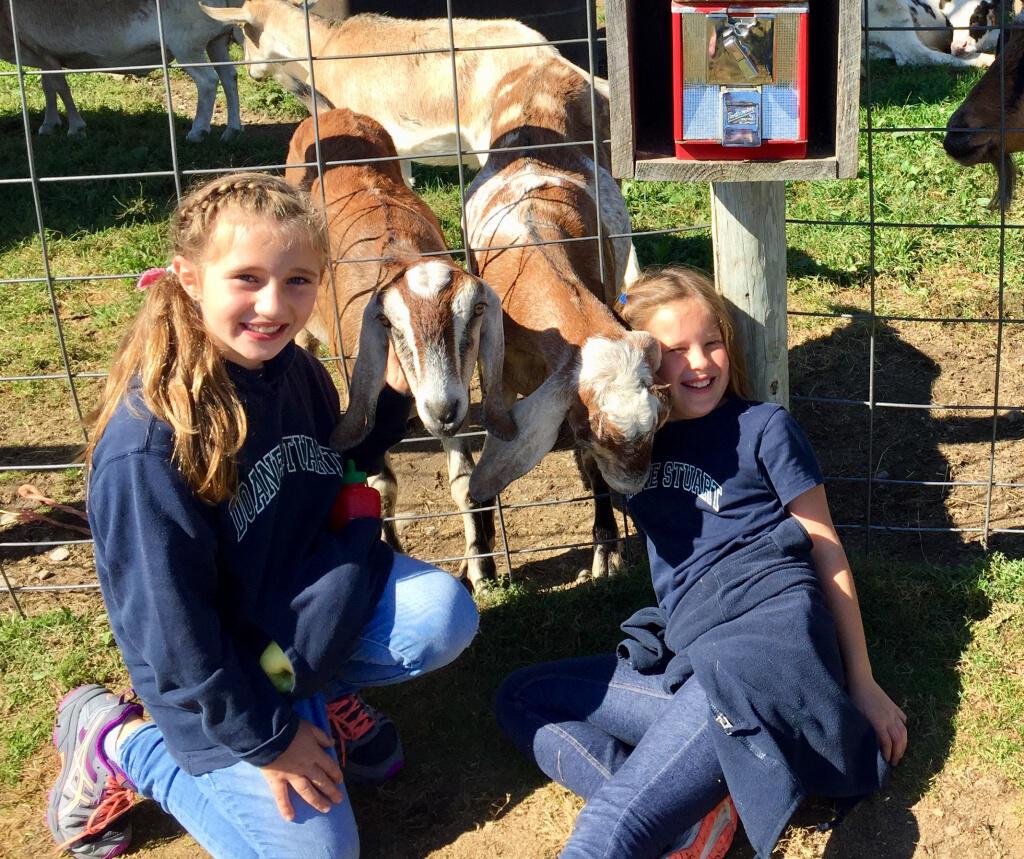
607, 559
478, 567
385, 482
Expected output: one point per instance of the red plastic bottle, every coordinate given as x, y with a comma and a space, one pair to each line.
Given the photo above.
356, 500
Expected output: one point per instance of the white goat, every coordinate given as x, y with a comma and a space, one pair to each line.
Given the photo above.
410, 94
532, 217
929, 45
438, 318
74, 34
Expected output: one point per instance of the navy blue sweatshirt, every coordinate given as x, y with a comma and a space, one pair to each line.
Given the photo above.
741, 608
195, 592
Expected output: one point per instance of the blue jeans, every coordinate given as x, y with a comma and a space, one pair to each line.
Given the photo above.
423, 621
642, 758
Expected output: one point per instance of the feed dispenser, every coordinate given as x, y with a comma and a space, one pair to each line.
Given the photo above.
740, 80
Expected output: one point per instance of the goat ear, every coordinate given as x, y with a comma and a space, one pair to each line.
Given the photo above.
367, 380
651, 347
496, 418
229, 14
538, 418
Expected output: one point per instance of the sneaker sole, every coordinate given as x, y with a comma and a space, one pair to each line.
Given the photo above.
726, 821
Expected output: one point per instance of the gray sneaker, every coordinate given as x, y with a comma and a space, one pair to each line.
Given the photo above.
91, 792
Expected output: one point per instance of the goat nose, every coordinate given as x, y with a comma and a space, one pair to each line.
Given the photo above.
448, 414
958, 143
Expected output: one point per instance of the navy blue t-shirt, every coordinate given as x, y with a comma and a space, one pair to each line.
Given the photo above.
717, 483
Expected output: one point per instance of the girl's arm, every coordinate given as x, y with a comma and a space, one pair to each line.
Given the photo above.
833, 569
156, 548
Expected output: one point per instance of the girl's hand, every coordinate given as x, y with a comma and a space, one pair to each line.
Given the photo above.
307, 769
888, 720
394, 375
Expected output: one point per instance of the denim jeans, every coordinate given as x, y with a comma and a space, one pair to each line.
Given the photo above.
423, 621
642, 758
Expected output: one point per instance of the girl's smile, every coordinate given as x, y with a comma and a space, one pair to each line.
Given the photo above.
694, 360
256, 288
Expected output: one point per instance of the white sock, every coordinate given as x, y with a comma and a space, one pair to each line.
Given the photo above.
111, 742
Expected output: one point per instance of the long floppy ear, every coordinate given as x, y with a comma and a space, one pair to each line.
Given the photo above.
652, 353
230, 14
538, 418
367, 380
491, 359
650, 346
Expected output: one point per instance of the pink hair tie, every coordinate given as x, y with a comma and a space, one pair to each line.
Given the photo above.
151, 276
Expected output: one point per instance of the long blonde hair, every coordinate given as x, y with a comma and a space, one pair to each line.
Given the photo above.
184, 381
657, 287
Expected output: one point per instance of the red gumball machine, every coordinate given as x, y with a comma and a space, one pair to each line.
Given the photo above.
739, 80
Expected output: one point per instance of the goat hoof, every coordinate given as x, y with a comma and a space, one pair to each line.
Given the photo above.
195, 136
230, 134
583, 576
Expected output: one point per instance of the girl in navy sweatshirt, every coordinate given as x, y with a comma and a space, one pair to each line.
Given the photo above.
748, 686
246, 624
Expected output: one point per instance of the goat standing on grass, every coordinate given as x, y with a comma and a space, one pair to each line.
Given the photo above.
985, 129
410, 94
533, 218
78, 34
394, 282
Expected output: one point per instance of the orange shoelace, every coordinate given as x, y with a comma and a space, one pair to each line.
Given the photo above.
349, 720
118, 799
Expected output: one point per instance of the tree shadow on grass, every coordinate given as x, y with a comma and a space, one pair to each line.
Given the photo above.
116, 143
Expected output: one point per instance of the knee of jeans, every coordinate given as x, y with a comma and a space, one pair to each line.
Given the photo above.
448, 629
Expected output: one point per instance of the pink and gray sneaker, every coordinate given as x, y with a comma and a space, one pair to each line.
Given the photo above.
91, 793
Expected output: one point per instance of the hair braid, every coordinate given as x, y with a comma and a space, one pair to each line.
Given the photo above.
183, 377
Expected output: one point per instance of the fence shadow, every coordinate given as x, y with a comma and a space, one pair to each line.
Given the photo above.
116, 142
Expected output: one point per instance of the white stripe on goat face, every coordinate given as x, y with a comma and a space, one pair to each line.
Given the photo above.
442, 399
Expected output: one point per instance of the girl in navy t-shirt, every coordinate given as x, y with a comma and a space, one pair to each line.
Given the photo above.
748, 686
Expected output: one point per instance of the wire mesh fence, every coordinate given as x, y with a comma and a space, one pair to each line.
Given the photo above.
905, 302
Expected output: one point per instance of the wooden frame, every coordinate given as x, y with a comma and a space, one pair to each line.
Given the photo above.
641, 108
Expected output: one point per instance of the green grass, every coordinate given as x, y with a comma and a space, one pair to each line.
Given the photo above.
41, 658
990, 720
938, 637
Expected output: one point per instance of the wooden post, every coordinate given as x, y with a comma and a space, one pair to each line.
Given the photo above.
748, 232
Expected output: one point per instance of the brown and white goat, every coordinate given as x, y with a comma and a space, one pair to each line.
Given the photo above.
410, 94
986, 129
394, 282
533, 220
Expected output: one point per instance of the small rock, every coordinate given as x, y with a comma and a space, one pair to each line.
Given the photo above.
61, 553
43, 575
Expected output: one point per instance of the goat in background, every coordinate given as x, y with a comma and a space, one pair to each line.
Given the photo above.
409, 94
985, 129
533, 220
394, 282
76, 34
928, 44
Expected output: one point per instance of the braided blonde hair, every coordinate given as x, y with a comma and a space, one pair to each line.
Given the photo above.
660, 286
183, 378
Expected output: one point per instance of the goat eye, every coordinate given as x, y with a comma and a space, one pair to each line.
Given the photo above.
479, 309
383, 320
